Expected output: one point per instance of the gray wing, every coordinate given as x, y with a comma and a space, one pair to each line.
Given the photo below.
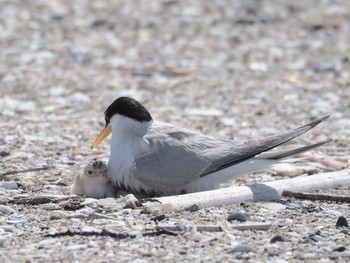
179, 157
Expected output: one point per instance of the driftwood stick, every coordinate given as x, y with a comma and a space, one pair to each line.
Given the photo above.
320, 197
335, 255
107, 233
27, 170
219, 228
39, 199
269, 191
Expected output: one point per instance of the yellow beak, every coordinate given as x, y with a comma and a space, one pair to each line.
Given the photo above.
107, 130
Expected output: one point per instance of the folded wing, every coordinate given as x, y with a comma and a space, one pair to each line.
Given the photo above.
179, 157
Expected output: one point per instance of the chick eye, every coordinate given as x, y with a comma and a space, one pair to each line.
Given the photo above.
89, 172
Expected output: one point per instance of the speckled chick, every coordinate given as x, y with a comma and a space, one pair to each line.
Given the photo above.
94, 182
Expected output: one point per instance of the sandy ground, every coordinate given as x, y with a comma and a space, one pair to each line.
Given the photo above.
235, 69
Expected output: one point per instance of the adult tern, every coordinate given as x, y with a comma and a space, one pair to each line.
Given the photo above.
162, 159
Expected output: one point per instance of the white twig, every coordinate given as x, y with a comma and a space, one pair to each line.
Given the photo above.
269, 191
218, 228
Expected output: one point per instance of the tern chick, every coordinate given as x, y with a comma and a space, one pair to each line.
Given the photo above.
94, 182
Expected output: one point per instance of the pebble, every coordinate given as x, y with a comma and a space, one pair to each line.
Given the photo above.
55, 217
89, 201
158, 218
75, 247
277, 238
6, 210
26, 106
286, 169
85, 211
130, 200
285, 222
342, 222
243, 249
79, 97
204, 112
335, 212
9, 185
109, 201
339, 249
274, 206
158, 208
50, 206
193, 234
47, 243
16, 157
193, 208
56, 91
342, 123
238, 216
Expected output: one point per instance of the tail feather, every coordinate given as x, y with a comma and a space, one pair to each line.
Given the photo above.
278, 155
252, 148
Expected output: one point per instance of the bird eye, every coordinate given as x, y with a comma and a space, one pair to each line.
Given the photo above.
89, 172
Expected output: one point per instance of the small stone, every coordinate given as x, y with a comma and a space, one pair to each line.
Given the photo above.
159, 218
335, 212
285, 169
109, 201
89, 201
193, 234
193, 208
55, 217
277, 238
130, 200
79, 97
158, 208
16, 157
238, 216
46, 243
50, 206
4, 153
243, 249
204, 112
9, 185
274, 206
336, 164
6, 210
26, 106
342, 222
57, 91
75, 247
339, 249
344, 231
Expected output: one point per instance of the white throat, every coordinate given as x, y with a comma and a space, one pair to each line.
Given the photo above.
127, 142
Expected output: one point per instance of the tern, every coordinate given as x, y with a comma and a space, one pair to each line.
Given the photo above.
162, 159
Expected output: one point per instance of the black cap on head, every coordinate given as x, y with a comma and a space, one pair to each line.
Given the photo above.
127, 107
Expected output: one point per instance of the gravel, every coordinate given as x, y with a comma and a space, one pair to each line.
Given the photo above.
234, 69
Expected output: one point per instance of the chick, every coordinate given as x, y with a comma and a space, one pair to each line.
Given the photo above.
94, 182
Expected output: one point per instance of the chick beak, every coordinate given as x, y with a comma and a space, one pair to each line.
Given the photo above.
107, 130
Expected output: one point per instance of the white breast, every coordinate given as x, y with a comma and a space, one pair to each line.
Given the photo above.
126, 143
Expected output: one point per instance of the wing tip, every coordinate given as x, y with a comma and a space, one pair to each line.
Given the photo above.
317, 121
311, 124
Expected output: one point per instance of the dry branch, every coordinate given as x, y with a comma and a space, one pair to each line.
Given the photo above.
319, 197
269, 191
39, 199
27, 170
111, 234
218, 228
